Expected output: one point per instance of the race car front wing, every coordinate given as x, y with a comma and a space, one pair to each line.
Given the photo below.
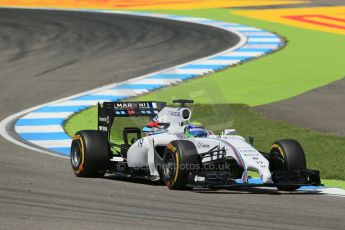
223, 179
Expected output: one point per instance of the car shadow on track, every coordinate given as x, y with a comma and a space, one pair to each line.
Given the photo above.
144, 181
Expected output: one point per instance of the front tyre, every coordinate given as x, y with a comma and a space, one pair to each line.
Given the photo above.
90, 154
179, 159
287, 155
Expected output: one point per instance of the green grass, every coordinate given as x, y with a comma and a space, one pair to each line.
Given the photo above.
334, 183
324, 152
311, 59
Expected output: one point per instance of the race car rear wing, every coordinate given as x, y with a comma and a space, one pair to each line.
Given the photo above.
109, 110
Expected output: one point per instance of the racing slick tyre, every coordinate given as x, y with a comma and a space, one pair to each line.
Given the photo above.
180, 157
287, 155
90, 154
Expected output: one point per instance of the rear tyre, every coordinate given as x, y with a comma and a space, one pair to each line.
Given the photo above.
179, 159
287, 155
90, 154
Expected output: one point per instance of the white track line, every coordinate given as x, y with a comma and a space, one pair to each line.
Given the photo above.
47, 115
42, 129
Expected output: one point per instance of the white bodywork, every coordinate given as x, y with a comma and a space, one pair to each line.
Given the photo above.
141, 153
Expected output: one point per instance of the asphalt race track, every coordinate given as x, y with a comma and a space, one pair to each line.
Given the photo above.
49, 55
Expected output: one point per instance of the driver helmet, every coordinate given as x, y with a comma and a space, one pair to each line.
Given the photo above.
195, 130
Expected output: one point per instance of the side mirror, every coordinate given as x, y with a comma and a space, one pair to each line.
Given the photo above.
229, 132
251, 140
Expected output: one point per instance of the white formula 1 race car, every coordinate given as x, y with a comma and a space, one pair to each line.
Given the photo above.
184, 155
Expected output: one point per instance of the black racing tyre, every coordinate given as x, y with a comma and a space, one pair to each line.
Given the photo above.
287, 155
90, 154
179, 159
